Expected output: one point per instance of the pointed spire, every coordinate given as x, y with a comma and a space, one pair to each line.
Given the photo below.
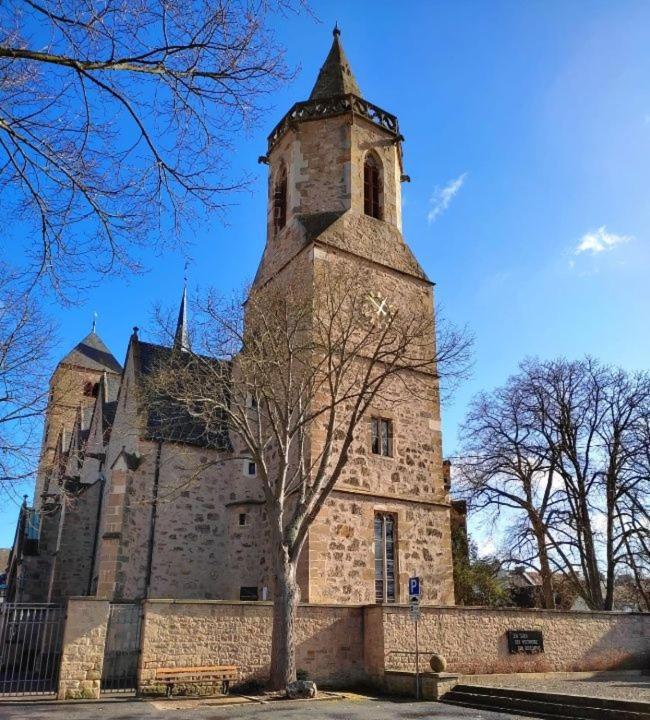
94, 321
335, 77
181, 338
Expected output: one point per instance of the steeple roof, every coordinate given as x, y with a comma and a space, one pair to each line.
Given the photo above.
181, 338
335, 77
93, 354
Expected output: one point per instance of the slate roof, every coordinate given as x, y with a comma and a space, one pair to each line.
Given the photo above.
111, 388
335, 77
168, 420
93, 354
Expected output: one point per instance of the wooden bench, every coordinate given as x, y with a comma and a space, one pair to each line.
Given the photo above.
206, 673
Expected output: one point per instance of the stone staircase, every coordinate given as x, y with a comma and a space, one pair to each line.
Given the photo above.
545, 704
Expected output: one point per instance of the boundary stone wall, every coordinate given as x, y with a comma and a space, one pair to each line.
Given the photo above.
194, 633
349, 645
82, 652
474, 640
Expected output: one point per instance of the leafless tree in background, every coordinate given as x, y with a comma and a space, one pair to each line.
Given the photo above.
587, 425
506, 467
298, 372
115, 121
26, 338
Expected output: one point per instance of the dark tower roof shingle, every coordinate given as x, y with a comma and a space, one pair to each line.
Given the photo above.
335, 77
181, 338
91, 353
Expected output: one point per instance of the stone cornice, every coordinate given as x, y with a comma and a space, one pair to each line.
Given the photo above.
394, 498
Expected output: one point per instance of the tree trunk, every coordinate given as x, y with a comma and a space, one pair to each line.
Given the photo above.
544, 566
285, 606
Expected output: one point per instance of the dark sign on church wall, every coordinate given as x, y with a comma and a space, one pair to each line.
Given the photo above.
525, 641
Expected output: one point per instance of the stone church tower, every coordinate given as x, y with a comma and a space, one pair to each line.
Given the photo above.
131, 509
334, 200
73, 389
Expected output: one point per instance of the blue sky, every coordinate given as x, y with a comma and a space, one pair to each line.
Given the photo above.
527, 130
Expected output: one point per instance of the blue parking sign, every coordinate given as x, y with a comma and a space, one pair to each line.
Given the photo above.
414, 587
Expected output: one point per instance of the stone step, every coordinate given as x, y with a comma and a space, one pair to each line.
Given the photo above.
507, 710
546, 705
563, 698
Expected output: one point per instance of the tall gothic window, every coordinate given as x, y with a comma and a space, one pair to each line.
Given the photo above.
381, 436
385, 558
280, 199
372, 187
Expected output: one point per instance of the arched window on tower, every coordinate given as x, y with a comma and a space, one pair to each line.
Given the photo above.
372, 190
91, 389
280, 199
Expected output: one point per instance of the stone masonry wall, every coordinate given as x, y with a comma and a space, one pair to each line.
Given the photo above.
72, 571
178, 634
473, 640
82, 654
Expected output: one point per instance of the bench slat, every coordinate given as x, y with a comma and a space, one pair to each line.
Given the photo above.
198, 668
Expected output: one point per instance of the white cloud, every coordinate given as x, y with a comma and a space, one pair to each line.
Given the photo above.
598, 241
442, 197
486, 546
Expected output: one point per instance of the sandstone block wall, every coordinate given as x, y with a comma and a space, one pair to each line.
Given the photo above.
82, 655
474, 641
178, 634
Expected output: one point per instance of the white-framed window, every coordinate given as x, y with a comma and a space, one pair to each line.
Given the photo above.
250, 468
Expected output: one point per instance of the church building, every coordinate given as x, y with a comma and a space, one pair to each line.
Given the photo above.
118, 512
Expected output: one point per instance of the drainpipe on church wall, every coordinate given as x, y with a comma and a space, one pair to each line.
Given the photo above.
152, 523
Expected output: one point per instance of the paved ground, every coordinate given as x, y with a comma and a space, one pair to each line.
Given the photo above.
619, 685
349, 709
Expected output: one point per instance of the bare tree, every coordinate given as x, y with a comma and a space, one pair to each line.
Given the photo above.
26, 338
115, 120
506, 469
586, 423
299, 368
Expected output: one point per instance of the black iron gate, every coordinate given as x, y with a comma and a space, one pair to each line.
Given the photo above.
120, 673
30, 648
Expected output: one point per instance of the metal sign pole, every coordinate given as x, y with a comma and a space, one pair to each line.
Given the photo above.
417, 663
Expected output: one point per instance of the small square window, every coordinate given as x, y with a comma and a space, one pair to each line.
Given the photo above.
248, 593
382, 436
242, 518
251, 468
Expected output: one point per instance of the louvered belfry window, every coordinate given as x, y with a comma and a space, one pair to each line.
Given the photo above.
385, 558
372, 187
280, 200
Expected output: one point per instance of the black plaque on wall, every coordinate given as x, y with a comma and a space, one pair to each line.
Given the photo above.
525, 641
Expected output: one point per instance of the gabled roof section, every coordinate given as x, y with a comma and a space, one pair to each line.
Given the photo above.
93, 354
335, 77
168, 420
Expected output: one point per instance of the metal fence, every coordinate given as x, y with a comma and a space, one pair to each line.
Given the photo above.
120, 673
30, 648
